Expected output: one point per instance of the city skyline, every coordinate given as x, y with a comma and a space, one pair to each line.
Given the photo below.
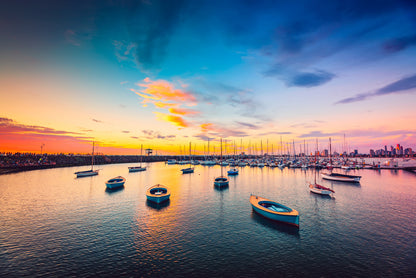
166, 73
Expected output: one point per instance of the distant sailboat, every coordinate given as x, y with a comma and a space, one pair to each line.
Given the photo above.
91, 172
337, 176
221, 181
317, 188
189, 169
138, 168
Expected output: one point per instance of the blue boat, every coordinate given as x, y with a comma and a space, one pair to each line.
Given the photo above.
221, 181
274, 211
187, 170
232, 172
158, 193
116, 182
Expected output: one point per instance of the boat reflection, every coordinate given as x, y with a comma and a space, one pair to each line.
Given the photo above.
115, 190
351, 184
157, 206
221, 188
275, 225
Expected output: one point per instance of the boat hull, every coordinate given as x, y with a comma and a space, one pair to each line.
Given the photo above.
319, 191
158, 194
289, 216
187, 171
137, 169
88, 173
340, 177
221, 182
115, 183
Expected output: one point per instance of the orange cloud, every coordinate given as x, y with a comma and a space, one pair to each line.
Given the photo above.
182, 111
176, 120
163, 90
207, 127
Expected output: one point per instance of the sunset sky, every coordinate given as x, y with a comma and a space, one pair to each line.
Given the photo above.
166, 73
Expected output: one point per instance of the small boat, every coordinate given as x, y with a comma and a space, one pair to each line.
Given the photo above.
340, 177
232, 172
158, 193
138, 168
221, 181
171, 161
274, 211
116, 182
319, 189
87, 173
91, 172
188, 170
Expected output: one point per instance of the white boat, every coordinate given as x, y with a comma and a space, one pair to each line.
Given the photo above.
91, 172
158, 193
221, 181
116, 182
171, 161
274, 211
138, 168
317, 188
340, 177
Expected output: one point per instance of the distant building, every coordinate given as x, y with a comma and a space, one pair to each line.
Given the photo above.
372, 153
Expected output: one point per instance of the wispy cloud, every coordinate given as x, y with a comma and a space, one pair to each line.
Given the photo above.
175, 120
399, 86
317, 133
152, 134
10, 126
182, 111
248, 125
97, 121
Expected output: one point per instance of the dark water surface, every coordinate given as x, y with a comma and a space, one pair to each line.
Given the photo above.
53, 224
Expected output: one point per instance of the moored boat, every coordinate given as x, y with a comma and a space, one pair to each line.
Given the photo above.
138, 168
274, 211
340, 177
91, 172
87, 173
232, 172
187, 170
319, 189
115, 182
158, 193
221, 181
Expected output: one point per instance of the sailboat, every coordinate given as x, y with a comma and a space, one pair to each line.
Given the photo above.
221, 181
138, 168
337, 176
189, 169
91, 172
317, 188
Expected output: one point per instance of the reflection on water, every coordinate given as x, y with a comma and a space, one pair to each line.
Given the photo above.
275, 225
157, 206
55, 225
114, 190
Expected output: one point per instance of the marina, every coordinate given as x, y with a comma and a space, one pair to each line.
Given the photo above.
84, 228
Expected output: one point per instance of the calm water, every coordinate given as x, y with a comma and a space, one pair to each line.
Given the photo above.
53, 224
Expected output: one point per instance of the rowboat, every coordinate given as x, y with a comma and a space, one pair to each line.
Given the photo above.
221, 181
274, 211
115, 182
232, 172
340, 177
187, 170
158, 193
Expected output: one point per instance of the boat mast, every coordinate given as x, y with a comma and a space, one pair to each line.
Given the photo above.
221, 158
141, 155
330, 153
315, 157
92, 157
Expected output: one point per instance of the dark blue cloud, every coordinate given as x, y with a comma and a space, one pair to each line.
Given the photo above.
310, 79
399, 86
399, 44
